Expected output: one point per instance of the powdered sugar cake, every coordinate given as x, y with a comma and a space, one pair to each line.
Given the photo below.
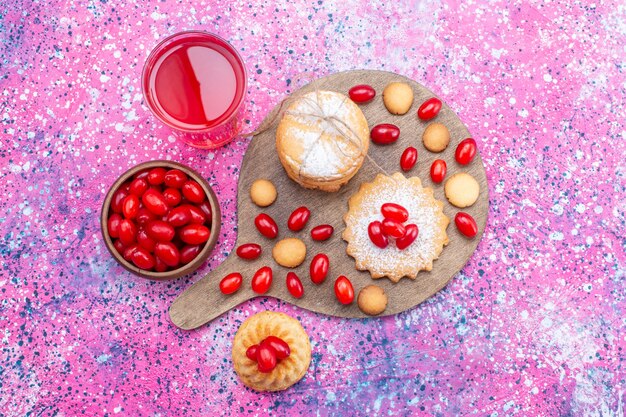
424, 211
322, 140
203, 301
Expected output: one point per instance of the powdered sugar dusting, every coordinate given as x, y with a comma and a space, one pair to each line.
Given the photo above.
331, 147
423, 211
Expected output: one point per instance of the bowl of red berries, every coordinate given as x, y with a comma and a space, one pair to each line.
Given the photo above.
160, 220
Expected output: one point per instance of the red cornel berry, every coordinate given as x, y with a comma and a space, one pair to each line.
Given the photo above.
118, 200
128, 232
268, 353
465, 151
159, 265
394, 211
160, 231
385, 134
156, 176
362, 93
409, 237
294, 285
145, 241
172, 197
266, 358
179, 216
151, 228
113, 225
251, 352
193, 192
129, 251
322, 232
143, 259
319, 268
194, 234
119, 246
138, 187
438, 170
231, 283
393, 228
154, 201
130, 207
375, 232
298, 219
144, 216
189, 252
429, 109
197, 215
266, 226
175, 178
408, 159
466, 224
168, 253
142, 174
344, 290
205, 206
262, 280
249, 251
279, 345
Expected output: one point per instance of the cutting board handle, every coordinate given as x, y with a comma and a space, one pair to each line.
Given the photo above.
203, 301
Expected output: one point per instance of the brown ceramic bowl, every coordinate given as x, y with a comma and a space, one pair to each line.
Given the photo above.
208, 246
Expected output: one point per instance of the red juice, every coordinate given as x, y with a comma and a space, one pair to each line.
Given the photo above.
195, 83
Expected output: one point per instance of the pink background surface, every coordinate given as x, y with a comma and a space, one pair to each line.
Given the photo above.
533, 325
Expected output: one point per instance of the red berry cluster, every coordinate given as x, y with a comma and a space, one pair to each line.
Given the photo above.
464, 154
268, 353
160, 219
262, 279
392, 226
386, 134
267, 226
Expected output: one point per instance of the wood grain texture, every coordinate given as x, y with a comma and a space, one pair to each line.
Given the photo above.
203, 301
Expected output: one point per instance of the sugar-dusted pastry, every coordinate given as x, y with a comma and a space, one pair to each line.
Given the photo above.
424, 211
322, 140
288, 368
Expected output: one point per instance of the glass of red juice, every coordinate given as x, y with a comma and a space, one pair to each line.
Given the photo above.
195, 83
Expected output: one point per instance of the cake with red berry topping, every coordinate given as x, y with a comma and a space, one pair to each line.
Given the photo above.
395, 227
271, 351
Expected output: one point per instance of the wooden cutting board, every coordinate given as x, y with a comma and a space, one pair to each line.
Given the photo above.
203, 301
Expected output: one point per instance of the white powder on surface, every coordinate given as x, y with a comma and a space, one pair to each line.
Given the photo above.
325, 129
422, 212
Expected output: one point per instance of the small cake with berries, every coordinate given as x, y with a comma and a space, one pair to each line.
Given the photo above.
271, 351
395, 227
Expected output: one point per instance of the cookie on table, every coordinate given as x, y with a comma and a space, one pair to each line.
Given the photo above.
398, 97
289, 252
372, 300
263, 193
436, 137
462, 190
289, 370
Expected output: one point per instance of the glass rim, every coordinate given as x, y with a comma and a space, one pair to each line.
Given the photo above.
150, 60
